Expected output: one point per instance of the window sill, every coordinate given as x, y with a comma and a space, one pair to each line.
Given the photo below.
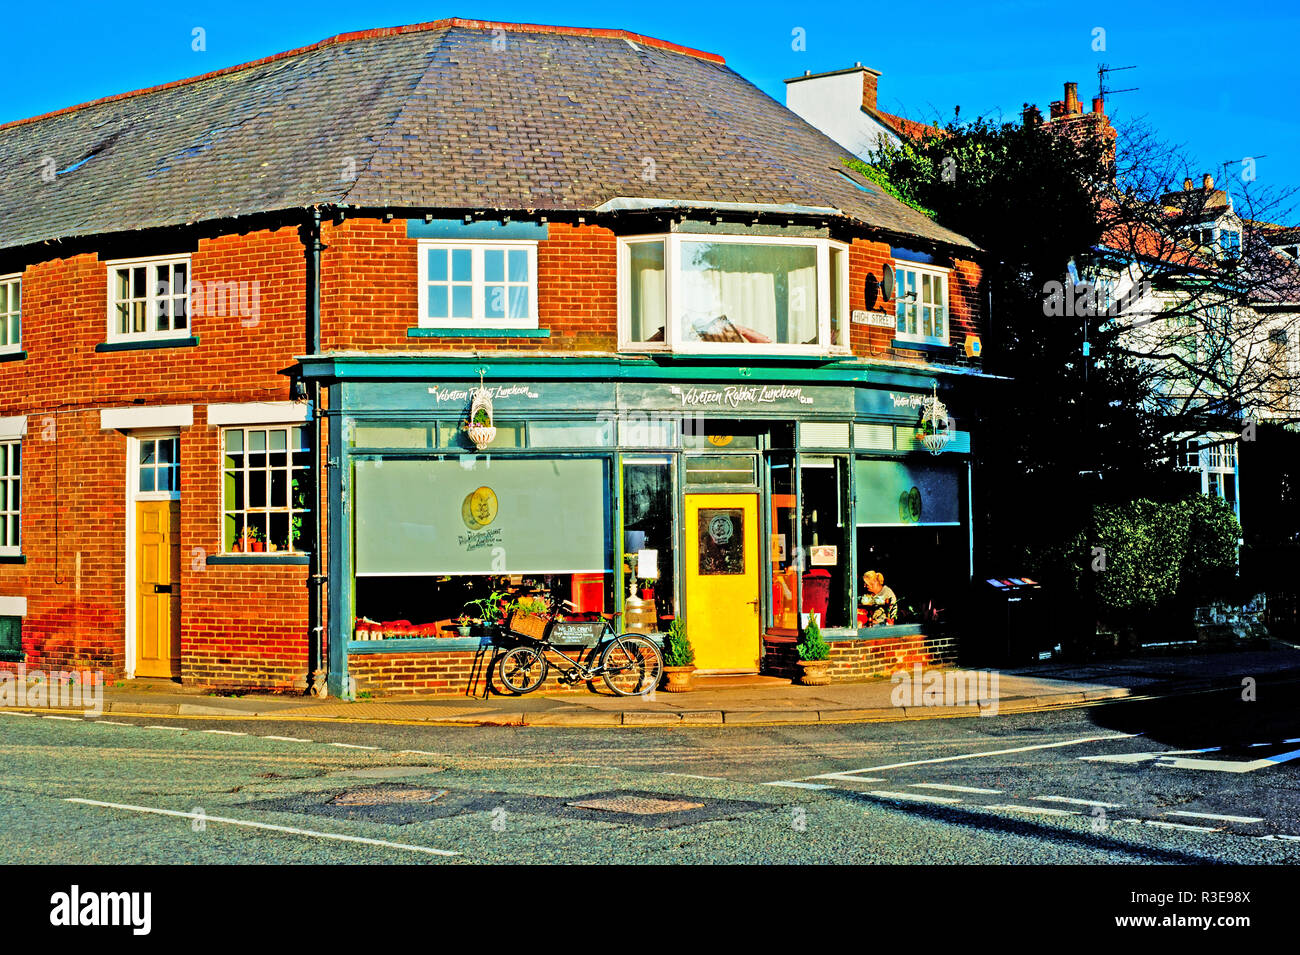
189, 342
933, 348
284, 559
13, 558
13, 355
471, 332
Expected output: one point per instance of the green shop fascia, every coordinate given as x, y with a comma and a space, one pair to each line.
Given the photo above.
585, 487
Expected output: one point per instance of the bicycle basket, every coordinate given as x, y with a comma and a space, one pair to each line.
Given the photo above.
528, 625
576, 633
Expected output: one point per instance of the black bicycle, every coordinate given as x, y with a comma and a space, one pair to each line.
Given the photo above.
630, 663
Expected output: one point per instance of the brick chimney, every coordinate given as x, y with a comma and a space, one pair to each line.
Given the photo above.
1072, 99
1187, 185
869, 79
1031, 116
1099, 106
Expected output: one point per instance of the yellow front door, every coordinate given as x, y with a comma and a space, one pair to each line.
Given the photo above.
722, 608
157, 574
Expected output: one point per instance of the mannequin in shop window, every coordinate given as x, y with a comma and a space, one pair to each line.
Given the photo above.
879, 604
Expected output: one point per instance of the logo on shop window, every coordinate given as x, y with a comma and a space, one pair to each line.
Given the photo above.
721, 530
909, 506
479, 508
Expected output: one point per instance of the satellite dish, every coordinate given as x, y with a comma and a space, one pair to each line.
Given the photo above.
887, 281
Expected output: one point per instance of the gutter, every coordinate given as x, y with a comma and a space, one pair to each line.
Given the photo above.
317, 650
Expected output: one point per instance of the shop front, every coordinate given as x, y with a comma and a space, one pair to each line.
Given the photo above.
747, 507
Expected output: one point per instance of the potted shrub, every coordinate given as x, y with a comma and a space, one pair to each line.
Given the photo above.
814, 656
487, 609
464, 625
679, 658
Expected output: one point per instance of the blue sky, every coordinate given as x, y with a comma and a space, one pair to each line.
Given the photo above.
1217, 78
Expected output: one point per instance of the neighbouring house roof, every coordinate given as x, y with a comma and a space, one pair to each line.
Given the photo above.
455, 114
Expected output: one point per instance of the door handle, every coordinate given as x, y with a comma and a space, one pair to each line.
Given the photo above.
162, 588
753, 603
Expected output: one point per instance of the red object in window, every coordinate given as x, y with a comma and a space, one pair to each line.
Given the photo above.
817, 592
589, 593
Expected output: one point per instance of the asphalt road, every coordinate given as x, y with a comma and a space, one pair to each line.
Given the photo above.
1106, 784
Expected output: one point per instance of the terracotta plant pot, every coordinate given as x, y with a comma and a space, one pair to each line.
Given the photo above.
814, 672
678, 679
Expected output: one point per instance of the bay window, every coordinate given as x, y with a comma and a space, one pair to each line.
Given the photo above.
719, 293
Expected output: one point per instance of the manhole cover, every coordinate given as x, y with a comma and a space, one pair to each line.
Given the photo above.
386, 796
637, 805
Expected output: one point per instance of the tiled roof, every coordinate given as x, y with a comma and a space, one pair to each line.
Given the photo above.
456, 114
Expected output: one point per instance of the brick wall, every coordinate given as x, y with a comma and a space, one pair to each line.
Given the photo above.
241, 625
444, 673
853, 660
577, 291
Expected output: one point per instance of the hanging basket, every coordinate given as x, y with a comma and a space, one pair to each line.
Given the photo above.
936, 441
936, 430
479, 428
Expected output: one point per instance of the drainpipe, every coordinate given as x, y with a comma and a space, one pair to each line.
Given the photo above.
317, 652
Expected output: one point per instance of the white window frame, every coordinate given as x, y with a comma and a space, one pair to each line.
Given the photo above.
151, 298
672, 318
14, 280
477, 248
6, 446
934, 271
141, 438
288, 509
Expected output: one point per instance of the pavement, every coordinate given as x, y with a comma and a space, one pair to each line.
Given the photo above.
1044, 686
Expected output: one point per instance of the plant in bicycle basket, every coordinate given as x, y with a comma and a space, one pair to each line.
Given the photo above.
814, 656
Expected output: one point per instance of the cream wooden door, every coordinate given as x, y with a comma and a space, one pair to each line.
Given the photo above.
722, 608
157, 574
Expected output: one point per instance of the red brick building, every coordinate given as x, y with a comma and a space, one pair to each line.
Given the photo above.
247, 318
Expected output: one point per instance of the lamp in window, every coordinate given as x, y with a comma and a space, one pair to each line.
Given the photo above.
479, 427
936, 428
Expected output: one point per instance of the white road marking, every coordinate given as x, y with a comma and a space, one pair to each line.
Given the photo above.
1035, 810
996, 752
12, 713
405, 752
849, 778
1080, 802
225, 733
1211, 815
264, 825
178, 729
1294, 740
1273, 837
795, 784
1143, 757
1160, 824
911, 797
1230, 765
958, 789
70, 719
112, 723
693, 776
288, 739
352, 746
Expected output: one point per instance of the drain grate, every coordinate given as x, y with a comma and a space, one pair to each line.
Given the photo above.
637, 805
387, 796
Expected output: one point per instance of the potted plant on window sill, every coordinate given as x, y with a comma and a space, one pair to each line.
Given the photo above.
464, 625
250, 542
814, 657
679, 658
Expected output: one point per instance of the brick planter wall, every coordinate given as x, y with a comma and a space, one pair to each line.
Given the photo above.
858, 659
446, 673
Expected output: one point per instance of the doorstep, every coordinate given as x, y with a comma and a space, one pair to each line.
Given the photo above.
717, 681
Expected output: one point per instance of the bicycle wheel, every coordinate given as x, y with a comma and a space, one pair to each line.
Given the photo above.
522, 669
631, 665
